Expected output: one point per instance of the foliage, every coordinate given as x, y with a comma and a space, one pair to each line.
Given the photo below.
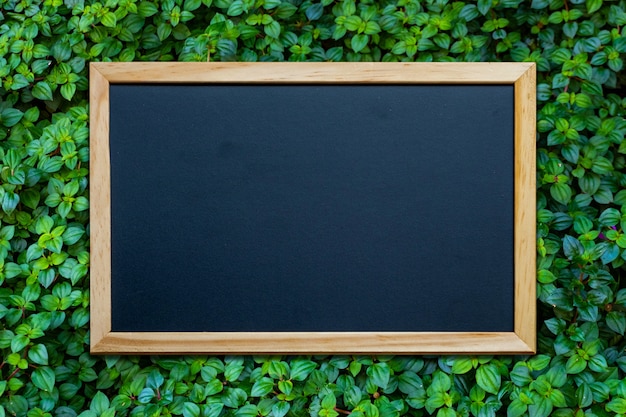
579, 47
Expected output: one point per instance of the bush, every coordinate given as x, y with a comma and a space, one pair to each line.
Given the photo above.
579, 47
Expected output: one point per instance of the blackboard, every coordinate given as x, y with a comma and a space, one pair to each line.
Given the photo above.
311, 214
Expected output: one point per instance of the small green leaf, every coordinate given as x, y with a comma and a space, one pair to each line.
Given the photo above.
488, 378
38, 354
359, 42
461, 365
10, 117
379, 374
561, 193
100, 403
191, 410
68, 90
44, 378
146, 395
616, 321
147, 9
236, 8
314, 11
593, 5
19, 342
575, 364
617, 405
516, 408
42, 91
545, 277
280, 409
300, 369
155, 379
109, 20
520, 375
410, 383
329, 401
248, 410
262, 387
272, 30
484, 6
213, 410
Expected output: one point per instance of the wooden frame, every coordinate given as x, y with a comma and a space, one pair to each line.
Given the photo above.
521, 341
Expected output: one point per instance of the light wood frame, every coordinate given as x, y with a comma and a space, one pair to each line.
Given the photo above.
521, 341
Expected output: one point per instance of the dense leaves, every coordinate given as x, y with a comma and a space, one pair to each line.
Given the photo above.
579, 47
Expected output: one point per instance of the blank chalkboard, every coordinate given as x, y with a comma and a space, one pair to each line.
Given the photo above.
312, 208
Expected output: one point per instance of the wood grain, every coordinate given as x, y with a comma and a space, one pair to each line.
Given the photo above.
292, 343
99, 207
525, 208
313, 72
521, 341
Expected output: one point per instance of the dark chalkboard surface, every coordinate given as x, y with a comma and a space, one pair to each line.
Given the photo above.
312, 207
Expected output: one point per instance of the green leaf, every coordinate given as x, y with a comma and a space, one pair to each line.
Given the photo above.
315, 11
10, 117
46, 277
329, 401
520, 375
234, 397
352, 23
236, 8
516, 408
272, 30
410, 383
72, 235
164, 30
617, 322
213, 387
441, 383
19, 342
575, 364
352, 396
191, 410
561, 193
572, 247
280, 409
300, 369
147, 9
38, 354
100, 403
484, 6
488, 378
461, 365
597, 363
617, 405
43, 378
584, 395
146, 395
359, 42
434, 401
262, 387
155, 379
248, 410
285, 10
109, 20
68, 90
593, 5
42, 91
379, 374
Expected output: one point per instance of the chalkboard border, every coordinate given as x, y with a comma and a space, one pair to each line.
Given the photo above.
521, 341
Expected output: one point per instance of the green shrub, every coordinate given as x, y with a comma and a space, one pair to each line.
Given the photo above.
579, 47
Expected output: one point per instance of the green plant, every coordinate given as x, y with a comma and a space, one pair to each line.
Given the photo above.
579, 47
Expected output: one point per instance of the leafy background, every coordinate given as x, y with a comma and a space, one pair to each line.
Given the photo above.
579, 48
